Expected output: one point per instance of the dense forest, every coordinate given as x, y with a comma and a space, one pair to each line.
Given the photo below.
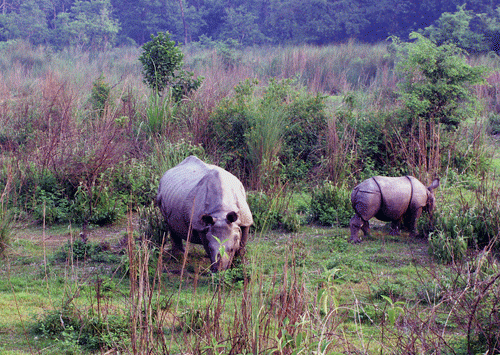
97, 24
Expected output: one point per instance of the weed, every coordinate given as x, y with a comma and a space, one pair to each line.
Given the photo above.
395, 289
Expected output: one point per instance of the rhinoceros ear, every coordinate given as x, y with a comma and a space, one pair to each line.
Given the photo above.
232, 217
207, 219
434, 185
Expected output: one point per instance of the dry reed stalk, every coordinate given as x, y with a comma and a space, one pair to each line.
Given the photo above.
339, 152
7, 188
135, 312
422, 145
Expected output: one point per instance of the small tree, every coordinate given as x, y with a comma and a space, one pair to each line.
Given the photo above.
160, 60
162, 63
436, 92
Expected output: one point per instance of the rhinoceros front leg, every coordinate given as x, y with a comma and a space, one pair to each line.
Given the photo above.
243, 242
355, 225
177, 246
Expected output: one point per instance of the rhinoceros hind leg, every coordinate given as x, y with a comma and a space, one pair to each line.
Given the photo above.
355, 225
395, 228
412, 225
366, 228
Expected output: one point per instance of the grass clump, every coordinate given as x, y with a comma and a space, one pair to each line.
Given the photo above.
77, 332
331, 205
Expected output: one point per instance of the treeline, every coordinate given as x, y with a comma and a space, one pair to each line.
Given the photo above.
97, 24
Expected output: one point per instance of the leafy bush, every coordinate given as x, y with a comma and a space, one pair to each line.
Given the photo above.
446, 248
331, 205
152, 224
277, 131
53, 207
135, 182
456, 28
466, 224
167, 154
98, 205
437, 81
271, 212
82, 330
228, 125
160, 60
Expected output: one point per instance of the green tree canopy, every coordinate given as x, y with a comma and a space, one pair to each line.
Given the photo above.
88, 24
29, 23
456, 28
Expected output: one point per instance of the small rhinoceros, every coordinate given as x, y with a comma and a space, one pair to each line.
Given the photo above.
210, 200
390, 199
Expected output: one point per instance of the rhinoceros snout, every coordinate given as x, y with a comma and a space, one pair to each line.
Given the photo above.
220, 263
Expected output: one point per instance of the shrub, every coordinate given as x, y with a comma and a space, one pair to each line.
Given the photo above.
493, 123
135, 182
436, 93
228, 125
160, 60
82, 330
152, 224
446, 248
473, 223
277, 131
98, 205
331, 205
272, 212
167, 154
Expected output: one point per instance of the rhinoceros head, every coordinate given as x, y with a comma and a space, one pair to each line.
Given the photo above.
431, 199
222, 239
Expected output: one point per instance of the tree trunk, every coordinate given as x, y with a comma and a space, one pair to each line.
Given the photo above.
184, 22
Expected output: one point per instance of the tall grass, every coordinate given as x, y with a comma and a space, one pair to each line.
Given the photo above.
264, 144
49, 124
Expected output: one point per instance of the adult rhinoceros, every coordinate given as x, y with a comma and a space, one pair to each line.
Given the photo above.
390, 199
210, 200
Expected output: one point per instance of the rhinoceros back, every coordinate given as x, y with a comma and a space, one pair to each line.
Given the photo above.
396, 197
386, 198
193, 188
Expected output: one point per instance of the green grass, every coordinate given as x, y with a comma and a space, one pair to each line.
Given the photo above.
315, 281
